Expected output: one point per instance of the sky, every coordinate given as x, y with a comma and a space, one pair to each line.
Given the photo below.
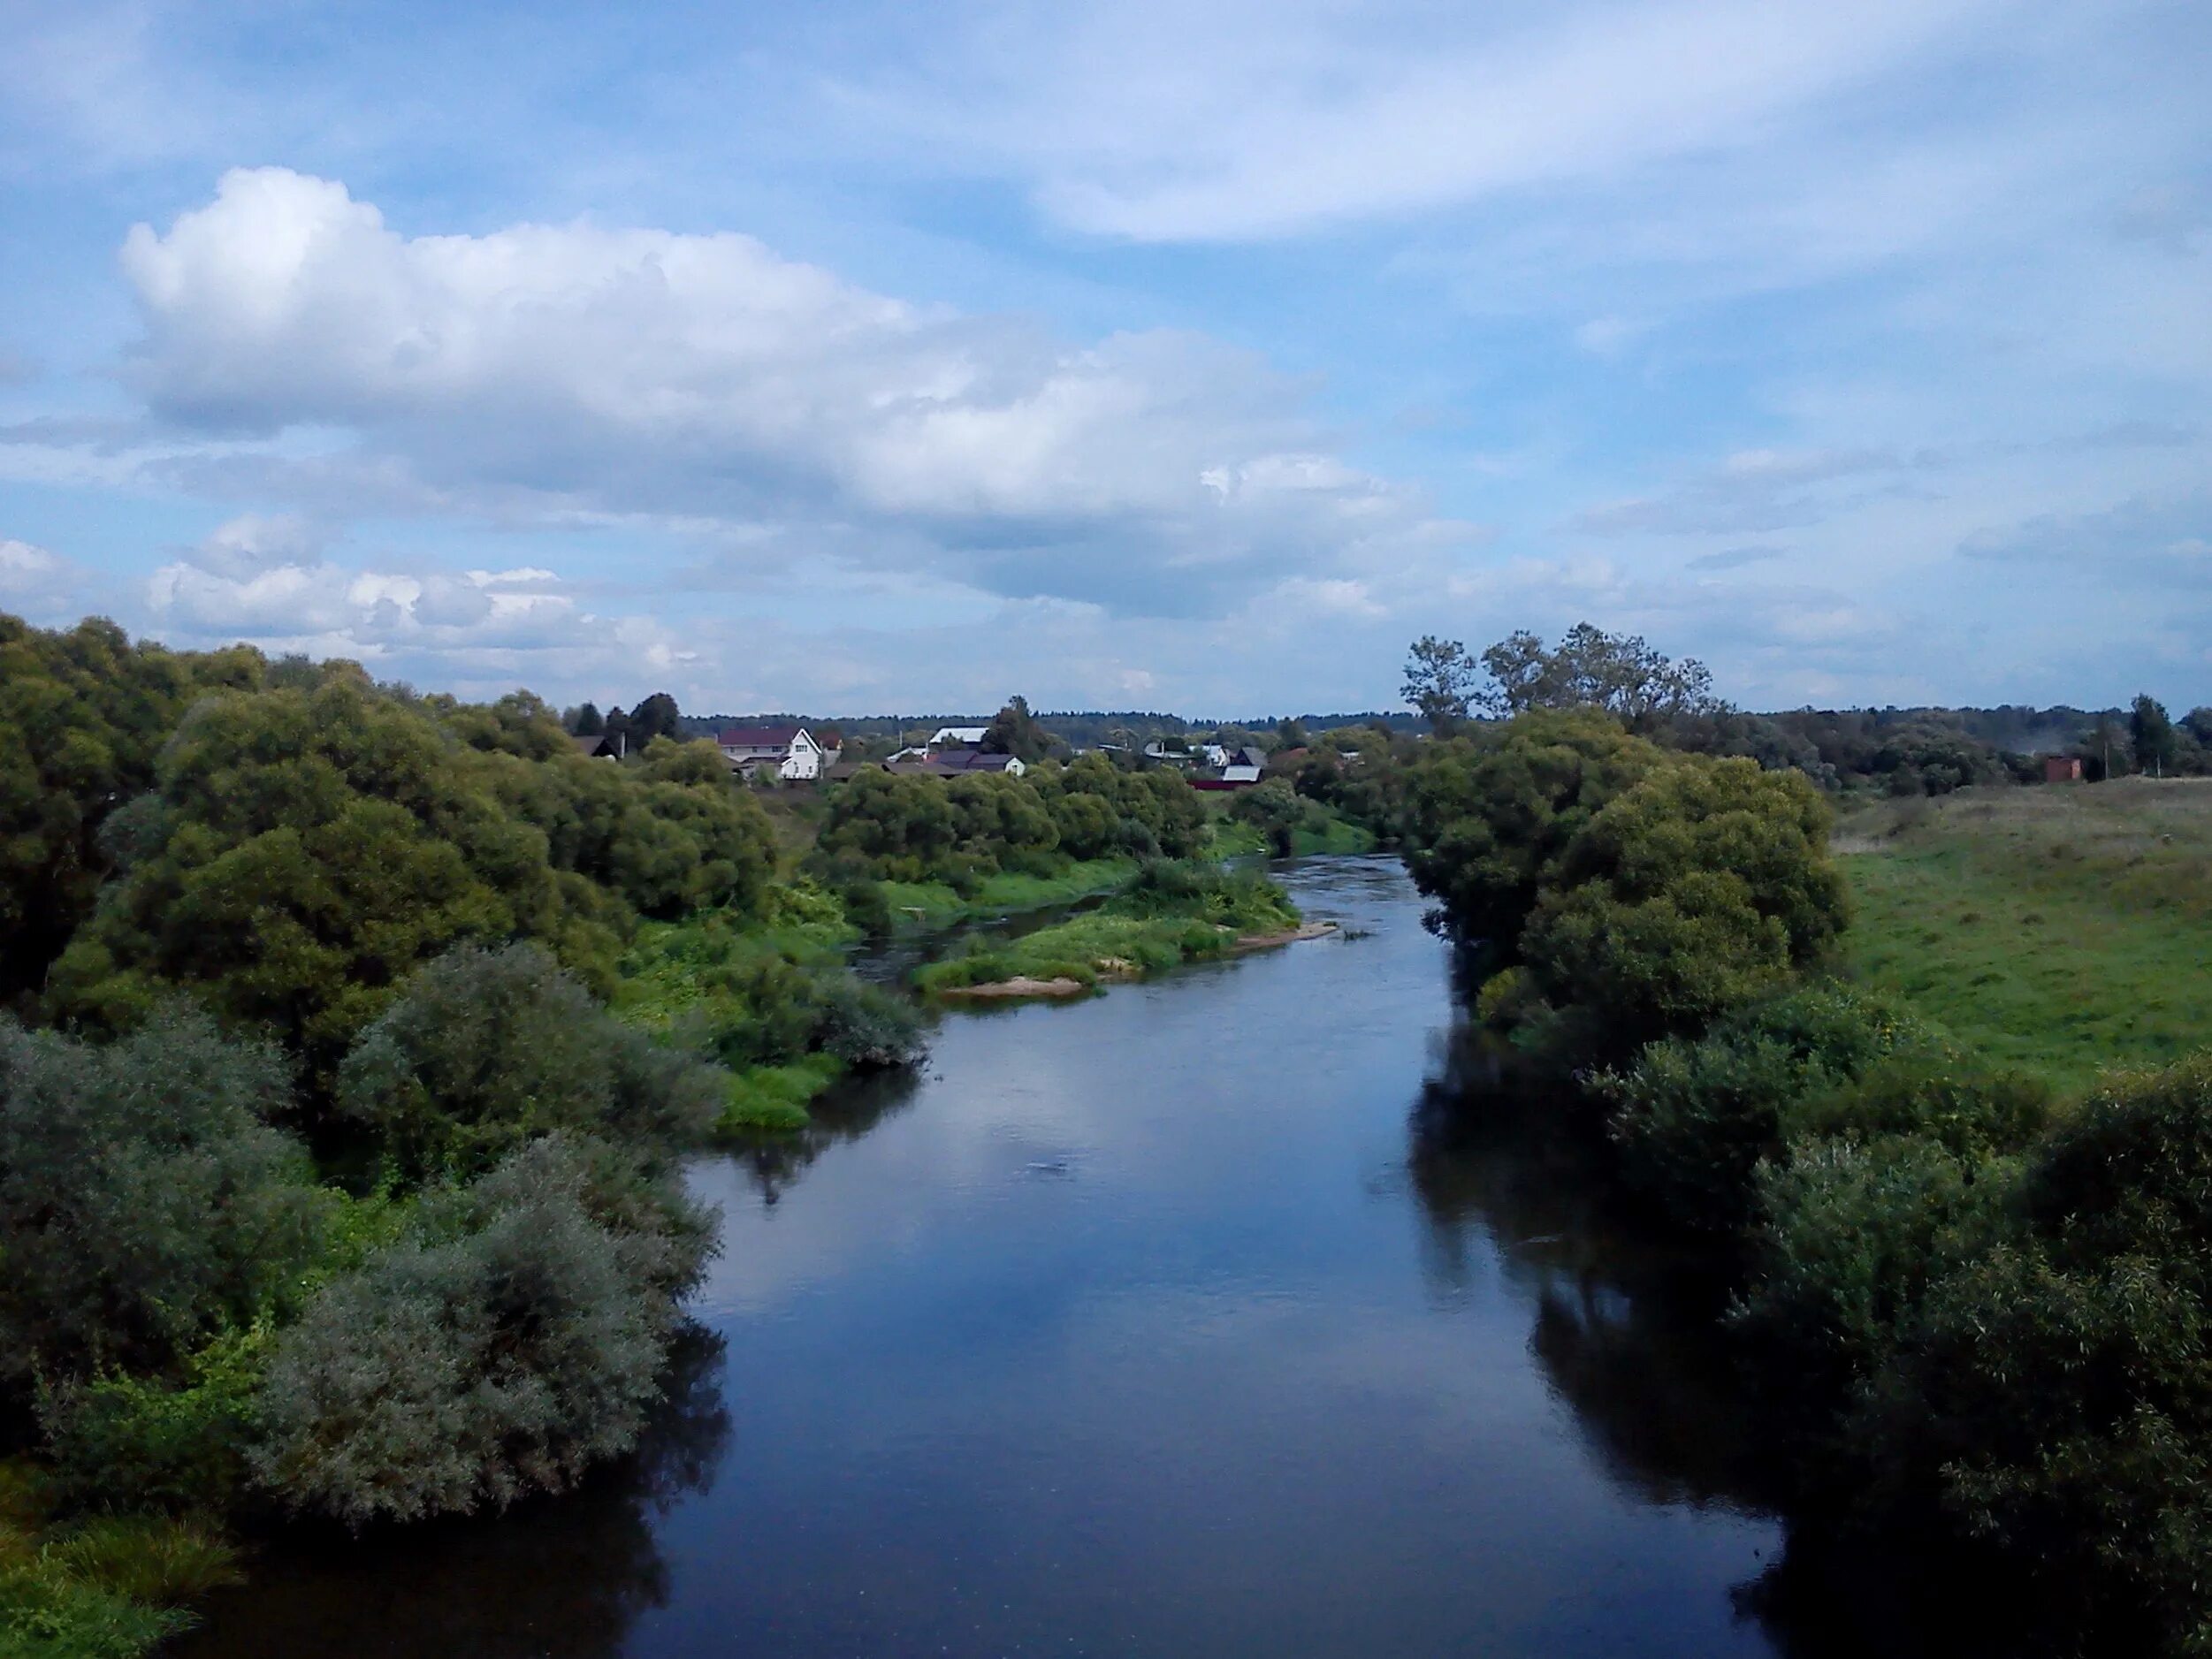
846, 358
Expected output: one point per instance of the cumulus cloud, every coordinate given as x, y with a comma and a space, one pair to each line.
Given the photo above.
703, 377
44, 587
270, 582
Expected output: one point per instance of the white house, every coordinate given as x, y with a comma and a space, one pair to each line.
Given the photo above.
791, 749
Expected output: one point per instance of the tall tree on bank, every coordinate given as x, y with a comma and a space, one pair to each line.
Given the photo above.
1642, 688
1440, 682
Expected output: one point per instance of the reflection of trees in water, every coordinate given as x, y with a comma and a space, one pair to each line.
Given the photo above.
854, 1106
1624, 1323
555, 1579
1625, 1332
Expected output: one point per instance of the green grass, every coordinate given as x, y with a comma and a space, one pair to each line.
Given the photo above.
934, 904
107, 1589
1324, 831
2061, 929
1186, 914
773, 1100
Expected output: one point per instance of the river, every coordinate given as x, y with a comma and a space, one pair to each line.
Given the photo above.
1214, 1315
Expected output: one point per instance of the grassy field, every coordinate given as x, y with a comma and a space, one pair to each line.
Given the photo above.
2062, 929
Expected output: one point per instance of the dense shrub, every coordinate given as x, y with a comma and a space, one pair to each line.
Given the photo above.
307, 849
1693, 1118
514, 1338
1701, 888
84, 713
2061, 1380
1273, 809
487, 1048
144, 1199
1853, 1235
1487, 817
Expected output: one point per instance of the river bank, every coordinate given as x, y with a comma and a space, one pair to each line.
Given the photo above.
1306, 1337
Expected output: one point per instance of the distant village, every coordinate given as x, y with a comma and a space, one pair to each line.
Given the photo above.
816, 754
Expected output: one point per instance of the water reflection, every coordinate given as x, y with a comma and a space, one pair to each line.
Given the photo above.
853, 1108
1624, 1323
563, 1579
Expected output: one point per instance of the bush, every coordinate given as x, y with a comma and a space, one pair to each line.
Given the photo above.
2059, 1382
1702, 888
145, 1201
146, 1442
514, 1339
867, 1027
487, 1048
1851, 1237
1693, 1119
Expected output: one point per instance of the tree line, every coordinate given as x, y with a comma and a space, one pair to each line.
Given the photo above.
329, 1183
1974, 1312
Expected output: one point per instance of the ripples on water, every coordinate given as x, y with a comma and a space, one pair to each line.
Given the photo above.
1214, 1315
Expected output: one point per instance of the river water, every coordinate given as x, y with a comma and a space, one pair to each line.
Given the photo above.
1215, 1315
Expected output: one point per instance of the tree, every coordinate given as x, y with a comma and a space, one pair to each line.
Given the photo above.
1273, 809
1590, 668
83, 716
487, 1049
588, 722
1015, 732
2152, 736
145, 1201
1700, 888
1487, 817
1440, 679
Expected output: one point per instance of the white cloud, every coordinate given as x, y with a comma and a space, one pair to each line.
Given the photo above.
575, 369
1230, 119
39, 584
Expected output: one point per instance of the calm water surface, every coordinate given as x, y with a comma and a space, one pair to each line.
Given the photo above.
1204, 1317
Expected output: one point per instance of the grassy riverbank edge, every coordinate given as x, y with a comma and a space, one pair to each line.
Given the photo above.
1171, 914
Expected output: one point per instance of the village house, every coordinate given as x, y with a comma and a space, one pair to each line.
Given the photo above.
960, 737
600, 746
956, 762
787, 752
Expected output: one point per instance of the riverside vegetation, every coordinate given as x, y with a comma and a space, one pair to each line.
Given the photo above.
353, 1040
1970, 1271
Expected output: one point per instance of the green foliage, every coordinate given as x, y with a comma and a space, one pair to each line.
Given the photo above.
512, 1339
307, 849
773, 1100
92, 1591
486, 1049
1488, 816
1700, 888
145, 1201
149, 1557
82, 715
2059, 1379
1015, 731
1694, 1117
153, 1442
1592, 669
1273, 808
1441, 680
1174, 912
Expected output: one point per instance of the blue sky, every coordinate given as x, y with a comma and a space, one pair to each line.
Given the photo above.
849, 358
